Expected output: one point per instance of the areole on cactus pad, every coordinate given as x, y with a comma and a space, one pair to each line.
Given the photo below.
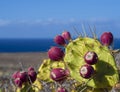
85, 61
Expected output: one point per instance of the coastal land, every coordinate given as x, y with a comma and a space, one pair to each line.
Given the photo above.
11, 62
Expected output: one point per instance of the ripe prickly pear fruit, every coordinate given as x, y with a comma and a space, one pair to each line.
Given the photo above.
30, 69
61, 89
15, 75
23, 76
60, 40
18, 82
55, 54
66, 35
91, 57
106, 38
33, 75
86, 71
58, 74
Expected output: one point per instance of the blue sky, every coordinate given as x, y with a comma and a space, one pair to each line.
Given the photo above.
47, 18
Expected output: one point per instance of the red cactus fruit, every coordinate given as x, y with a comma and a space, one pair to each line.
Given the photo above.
30, 69
91, 57
106, 38
23, 76
66, 35
18, 82
15, 75
60, 40
61, 89
55, 54
58, 74
86, 71
33, 75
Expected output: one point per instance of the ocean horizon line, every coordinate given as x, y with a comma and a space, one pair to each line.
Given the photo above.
45, 38
34, 45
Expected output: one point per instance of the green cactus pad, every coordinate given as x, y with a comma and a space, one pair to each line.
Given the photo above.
47, 65
106, 74
44, 72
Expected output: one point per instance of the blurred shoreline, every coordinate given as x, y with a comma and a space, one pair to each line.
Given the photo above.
10, 62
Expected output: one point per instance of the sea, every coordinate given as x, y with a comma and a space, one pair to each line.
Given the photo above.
33, 45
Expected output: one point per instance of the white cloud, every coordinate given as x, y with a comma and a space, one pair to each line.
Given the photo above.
37, 21
97, 21
4, 22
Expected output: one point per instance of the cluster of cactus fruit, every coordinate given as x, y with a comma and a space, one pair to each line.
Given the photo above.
84, 65
22, 78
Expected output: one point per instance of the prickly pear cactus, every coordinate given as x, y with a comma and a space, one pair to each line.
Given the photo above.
105, 75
